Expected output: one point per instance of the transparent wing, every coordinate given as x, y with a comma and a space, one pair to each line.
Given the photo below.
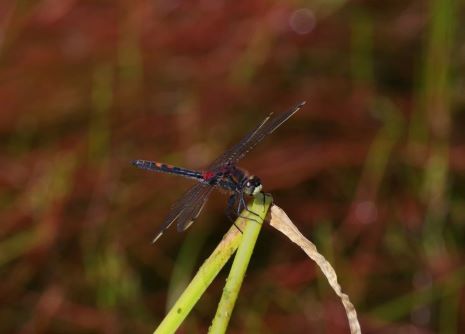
186, 210
247, 143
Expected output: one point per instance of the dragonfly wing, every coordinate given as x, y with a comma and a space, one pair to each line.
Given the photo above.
226, 156
272, 123
187, 208
267, 126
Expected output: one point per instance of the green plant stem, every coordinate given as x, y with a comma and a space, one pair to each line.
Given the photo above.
239, 267
208, 271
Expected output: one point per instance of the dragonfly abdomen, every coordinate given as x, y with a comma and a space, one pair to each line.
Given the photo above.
165, 168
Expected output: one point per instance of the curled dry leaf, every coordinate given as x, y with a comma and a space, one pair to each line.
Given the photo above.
280, 221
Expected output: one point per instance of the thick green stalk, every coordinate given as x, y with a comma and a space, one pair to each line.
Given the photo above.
241, 261
209, 270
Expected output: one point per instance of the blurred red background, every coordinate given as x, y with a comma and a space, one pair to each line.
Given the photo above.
371, 169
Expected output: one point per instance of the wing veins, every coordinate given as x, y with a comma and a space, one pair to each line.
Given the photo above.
266, 127
186, 209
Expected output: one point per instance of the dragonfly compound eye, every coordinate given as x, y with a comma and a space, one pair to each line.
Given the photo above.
253, 186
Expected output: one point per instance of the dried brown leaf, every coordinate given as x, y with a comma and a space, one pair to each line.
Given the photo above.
280, 221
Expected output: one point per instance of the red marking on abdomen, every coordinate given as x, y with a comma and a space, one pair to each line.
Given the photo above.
163, 166
208, 175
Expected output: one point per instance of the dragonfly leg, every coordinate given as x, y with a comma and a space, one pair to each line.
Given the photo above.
242, 205
230, 212
264, 196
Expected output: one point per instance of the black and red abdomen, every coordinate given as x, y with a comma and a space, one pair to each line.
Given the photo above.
169, 169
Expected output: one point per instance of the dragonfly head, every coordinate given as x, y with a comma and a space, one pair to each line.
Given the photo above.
252, 186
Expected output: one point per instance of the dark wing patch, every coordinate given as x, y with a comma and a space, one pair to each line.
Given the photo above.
186, 209
248, 142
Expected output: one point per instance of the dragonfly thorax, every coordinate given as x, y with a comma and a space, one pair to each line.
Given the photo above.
252, 185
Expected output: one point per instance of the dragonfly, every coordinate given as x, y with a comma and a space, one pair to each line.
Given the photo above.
222, 174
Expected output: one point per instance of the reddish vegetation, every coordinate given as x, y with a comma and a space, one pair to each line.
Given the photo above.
371, 169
